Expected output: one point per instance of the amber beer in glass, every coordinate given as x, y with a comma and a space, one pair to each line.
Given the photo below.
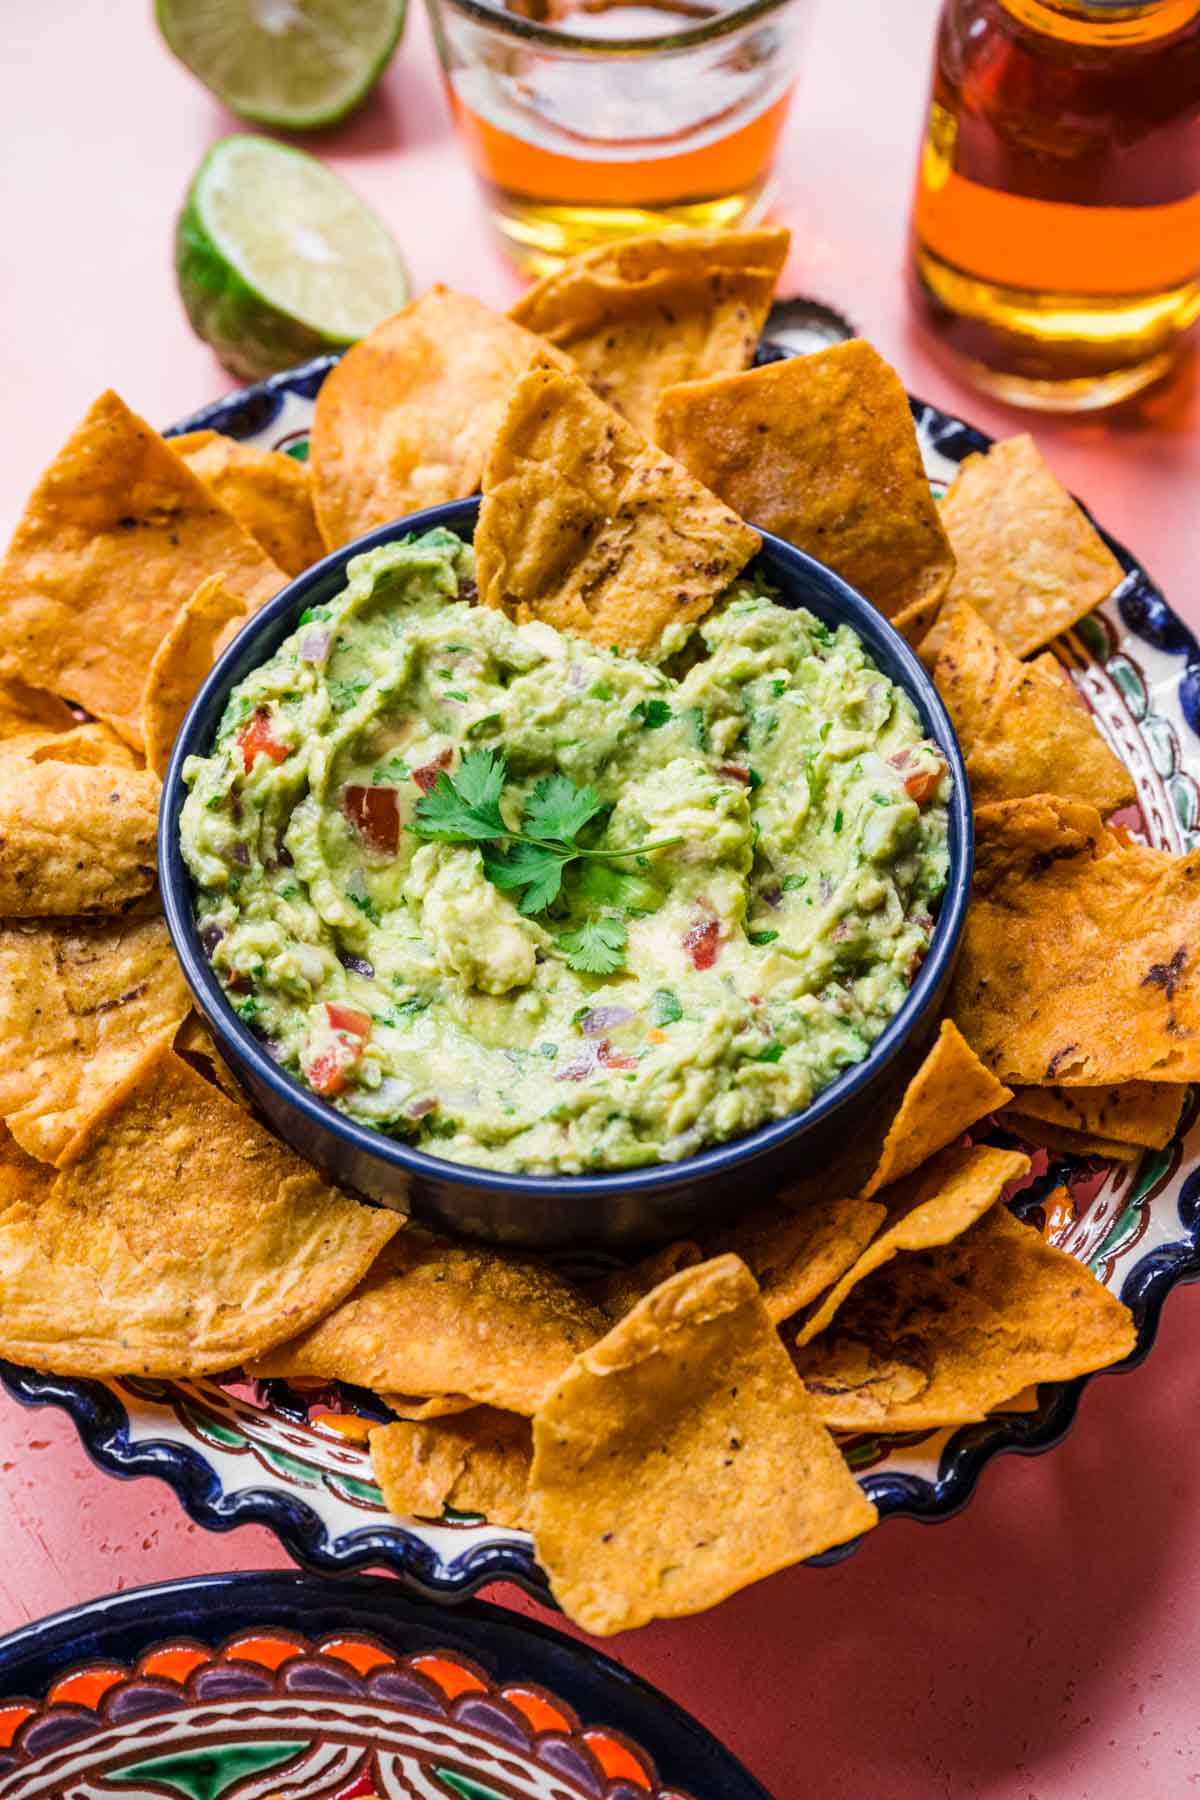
588, 120
1056, 228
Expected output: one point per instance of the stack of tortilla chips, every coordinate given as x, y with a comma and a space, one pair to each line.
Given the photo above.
667, 1433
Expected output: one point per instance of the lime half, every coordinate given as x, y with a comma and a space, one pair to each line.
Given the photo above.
278, 260
293, 63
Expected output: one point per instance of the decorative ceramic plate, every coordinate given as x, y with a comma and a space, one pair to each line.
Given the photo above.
239, 1687
298, 1463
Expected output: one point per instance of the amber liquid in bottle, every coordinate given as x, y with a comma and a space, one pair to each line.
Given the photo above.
1056, 226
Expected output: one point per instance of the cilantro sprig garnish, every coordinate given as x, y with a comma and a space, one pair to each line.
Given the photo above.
529, 859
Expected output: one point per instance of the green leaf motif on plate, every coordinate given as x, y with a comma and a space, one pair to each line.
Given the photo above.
299, 450
1127, 679
206, 1772
467, 1786
1183, 797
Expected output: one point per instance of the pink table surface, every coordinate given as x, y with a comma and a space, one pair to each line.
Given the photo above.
1042, 1646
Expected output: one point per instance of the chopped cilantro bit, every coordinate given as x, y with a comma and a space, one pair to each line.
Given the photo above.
366, 905
837, 821
437, 1127
343, 694
416, 1003
489, 722
235, 884
248, 1009
791, 882
598, 947
457, 694
755, 780
759, 938
311, 613
779, 688
393, 769
665, 1007
654, 714
697, 725
600, 690
771, 1054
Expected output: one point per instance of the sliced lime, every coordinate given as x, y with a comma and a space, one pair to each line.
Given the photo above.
298, 64
278, 260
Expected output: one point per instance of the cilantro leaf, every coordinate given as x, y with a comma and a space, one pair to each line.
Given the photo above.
654, 714
665, 1007
558, 809
466, 808
598, 947
535, 867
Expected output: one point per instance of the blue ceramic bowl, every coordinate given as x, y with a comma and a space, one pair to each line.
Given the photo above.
581, 1212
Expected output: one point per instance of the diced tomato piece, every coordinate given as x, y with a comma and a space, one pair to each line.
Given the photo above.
375, 815
427, 774
348, 1018
703, 942
326, 1075
736, 772
609, 1058
921, 785
256, 739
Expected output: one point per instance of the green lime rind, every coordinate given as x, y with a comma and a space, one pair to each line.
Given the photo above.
177, 23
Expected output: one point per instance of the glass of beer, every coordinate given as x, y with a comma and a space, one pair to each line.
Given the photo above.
591, 120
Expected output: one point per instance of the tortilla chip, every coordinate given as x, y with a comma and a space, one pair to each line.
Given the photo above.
79, 1003
1133, 1112
678, 1460
619, 1292
268, 492
915, 622
195, 1044
943, 1337
933, 1206
587, 527
476, 1464
405, 419
24, 709
93, 744
439, 1318
417, 1409
1028, 558
949, 1093
114, 539
75, 838
795, 1254
196, 636
640, 315
179, 1238
1062, 1138
22, 1177
822, 451
1023, 727
1080, 961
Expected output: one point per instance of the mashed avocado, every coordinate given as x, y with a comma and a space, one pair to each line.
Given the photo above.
745, 848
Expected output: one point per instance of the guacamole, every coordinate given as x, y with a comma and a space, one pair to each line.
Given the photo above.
719, 884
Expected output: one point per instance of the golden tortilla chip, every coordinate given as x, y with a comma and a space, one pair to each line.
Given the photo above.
180, 1238
75, 838
114, 539
268, 492
439, 1318
643, 314
617, 1293
416, 1409
949, 1093
679, 1459
1132, 1112
589, 528
915, 622
933, 1206
405, 419
1061, 1137
1080, 961
822, 451
1023, 727
24, 709
478, 1463
1028, 558
22, 1177
195, 1044
93, 744
79, 1003
198, 633
796, 1253
943, 1337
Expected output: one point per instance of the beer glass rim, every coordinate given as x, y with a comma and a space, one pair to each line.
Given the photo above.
706, 31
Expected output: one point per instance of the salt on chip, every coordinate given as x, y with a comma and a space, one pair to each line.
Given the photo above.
587, 527
949, 1093
1080, 960
405, 419
822, 451
24, 709
435, 1317
1028, 558
1023, 727
795, 1254
1146, 1113
478, 1463
200, 630
679, 1459
640, 315
944, 1337
933, 1206
79, 1003
75, 838
179, 1238
268, 492
113, 540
